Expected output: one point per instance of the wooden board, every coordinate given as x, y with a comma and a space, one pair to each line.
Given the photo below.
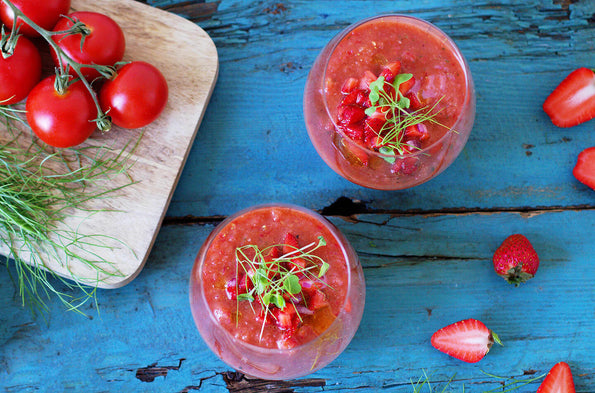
188, 59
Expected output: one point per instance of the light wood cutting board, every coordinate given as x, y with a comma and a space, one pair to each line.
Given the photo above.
188, 59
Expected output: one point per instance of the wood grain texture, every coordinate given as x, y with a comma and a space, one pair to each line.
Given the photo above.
135, 212
515, 158
426, 252
422, 272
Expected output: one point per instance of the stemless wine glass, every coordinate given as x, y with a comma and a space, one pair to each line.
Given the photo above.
233, 329
443, 83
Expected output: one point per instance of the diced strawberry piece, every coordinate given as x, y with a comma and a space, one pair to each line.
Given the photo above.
373, 142
353, 150
573, 101
373, 126
287, 342
231, 289
406, 86
558, 380
310, 286
350, 114
297, 264
406, 166
468, 340
349, 85
273, 253
414, 102
317, 300
354, 131
367, 78
584, 170
287, 320
417, 131
350, 98
390, 71
363, 98
290, 243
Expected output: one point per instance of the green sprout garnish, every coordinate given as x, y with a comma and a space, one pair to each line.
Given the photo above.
274, 279
395, 108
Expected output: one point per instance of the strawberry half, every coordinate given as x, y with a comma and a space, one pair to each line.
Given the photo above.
584, 169
516, 260
468, 340
558, 380
573, 101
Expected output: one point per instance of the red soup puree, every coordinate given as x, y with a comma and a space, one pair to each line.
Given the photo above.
431, 85
275, 277
389, 103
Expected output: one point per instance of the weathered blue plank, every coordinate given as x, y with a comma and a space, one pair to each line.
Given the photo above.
422, 273
253, 141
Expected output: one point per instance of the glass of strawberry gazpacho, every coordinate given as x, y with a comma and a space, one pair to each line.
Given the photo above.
389, 103
277, 291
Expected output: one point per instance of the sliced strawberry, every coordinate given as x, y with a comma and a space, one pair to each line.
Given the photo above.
558, 380
349, 86
584, 170
573, 101
350, 114
468, 340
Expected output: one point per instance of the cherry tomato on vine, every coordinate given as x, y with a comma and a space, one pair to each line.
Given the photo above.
105, 44
19, 72
61, 120
136, 96
45, 13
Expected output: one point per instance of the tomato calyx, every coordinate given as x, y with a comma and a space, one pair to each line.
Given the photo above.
77, 27
7, 43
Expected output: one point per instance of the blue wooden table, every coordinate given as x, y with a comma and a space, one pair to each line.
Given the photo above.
426, 251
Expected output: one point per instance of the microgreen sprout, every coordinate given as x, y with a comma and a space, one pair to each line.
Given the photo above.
508, 383
276, 280
386, 98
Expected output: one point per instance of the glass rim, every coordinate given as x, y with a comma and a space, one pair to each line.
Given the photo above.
339, 237
337, 39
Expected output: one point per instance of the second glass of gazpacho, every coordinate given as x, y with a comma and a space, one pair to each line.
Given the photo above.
277, 291
389, 103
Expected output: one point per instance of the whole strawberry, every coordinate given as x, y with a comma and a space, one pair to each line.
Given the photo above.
516, 260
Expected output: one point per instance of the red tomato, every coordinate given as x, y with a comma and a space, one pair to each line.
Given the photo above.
45, 13
20, 72
105, 44
61, 120
136, 96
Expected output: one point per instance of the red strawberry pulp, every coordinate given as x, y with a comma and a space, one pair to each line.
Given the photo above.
350, 140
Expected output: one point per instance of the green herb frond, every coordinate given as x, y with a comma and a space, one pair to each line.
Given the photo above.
39, 189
